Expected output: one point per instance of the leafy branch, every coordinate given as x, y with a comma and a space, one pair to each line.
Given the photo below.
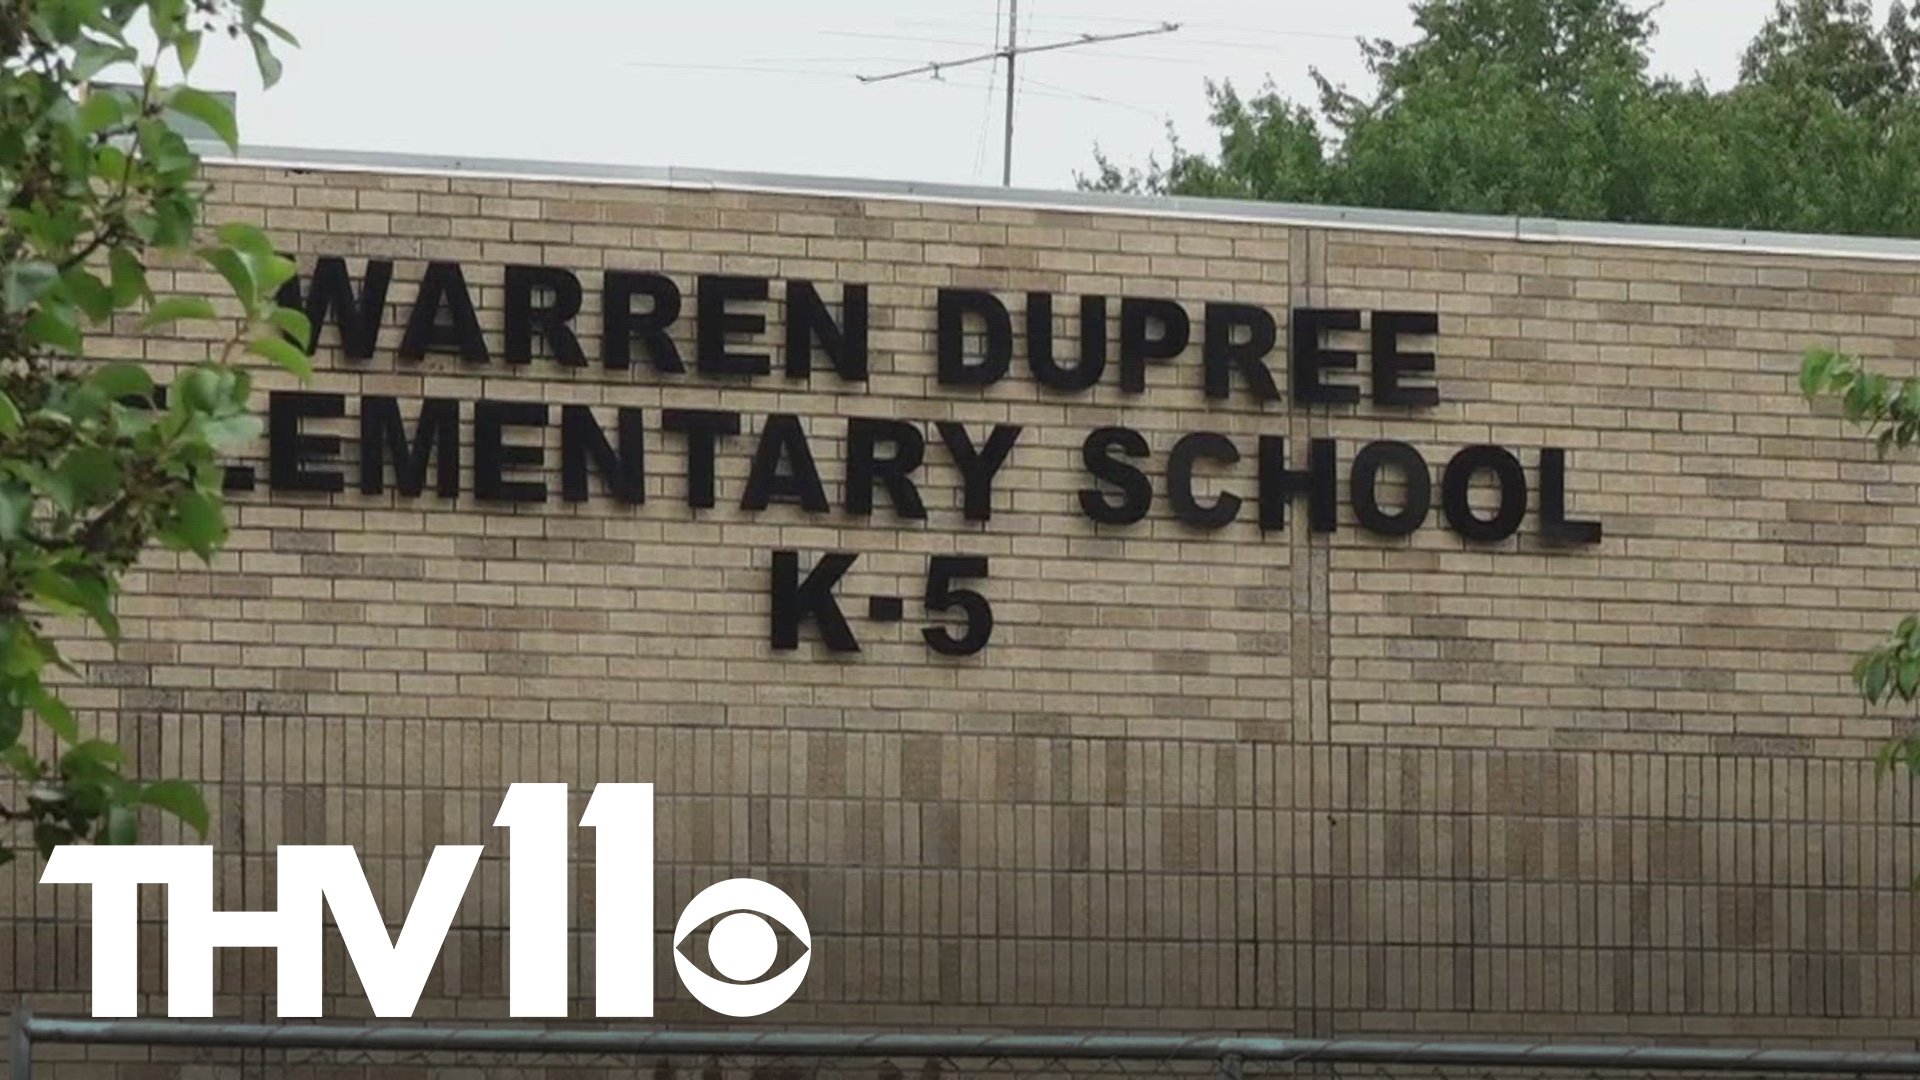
1889, 410
98, 461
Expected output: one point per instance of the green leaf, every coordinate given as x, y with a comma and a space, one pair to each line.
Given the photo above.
78, 590
10, 418
199, 525
188, 46
54, 712
129, 277
92, 295
232, 430
16, 506
239, 386
25, 282
263, 58
63, 20
50, 483
91, 472
277, 31
97, 753
1813, 371
12, 717
294, 324
100, 111
202, 390
1875, 683
122, 827
123, 380
238, 274
272, 271
92, 56
181, 799
50, 653
175, 308
19, 758
283, 353
23, 655
47, 836
207, 109
243, 237
1909, 680
53, 325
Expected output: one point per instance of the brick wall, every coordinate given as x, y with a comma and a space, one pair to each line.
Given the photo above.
1242, 779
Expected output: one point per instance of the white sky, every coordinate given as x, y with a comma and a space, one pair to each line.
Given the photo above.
767, 85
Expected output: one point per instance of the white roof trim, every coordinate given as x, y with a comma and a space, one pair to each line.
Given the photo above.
1537, 230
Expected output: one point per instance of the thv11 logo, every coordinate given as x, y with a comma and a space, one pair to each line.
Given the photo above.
741, 945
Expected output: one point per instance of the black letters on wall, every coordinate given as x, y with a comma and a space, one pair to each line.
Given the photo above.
621, 326
1391, 365
1226, 352
1280, 484
1554, 525
293, 451
552, 321
583, 443
977, 339
956, 308
703, 428
493, 456
444, 287
1457, 481
808, 321
1180, 465
866, 467
783, 439
1046, 368
978, 466
383, 435
1136, 491
1367, 466
1312, 359
718, 321
357, 315
1139, 341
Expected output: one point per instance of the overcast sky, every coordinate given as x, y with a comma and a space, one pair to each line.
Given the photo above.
768, 85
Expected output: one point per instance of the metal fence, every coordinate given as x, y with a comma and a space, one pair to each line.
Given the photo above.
50, 1047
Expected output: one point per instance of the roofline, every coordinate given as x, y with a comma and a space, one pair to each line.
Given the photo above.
1522, 229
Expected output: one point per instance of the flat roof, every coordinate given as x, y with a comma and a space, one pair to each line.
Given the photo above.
1525, 229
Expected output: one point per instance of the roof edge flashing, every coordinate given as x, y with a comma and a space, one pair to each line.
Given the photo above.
1359, 219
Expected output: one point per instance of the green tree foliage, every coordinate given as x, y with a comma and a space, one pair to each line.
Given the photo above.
95, 467
1548, 108
1889, 410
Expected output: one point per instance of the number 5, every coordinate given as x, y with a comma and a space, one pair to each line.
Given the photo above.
942, 572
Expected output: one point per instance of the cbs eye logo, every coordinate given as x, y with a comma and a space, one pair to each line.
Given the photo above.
742, 947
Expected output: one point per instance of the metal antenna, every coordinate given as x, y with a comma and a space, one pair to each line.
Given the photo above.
1011, 51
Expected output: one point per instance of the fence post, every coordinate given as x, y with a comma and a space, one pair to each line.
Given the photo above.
20, 1045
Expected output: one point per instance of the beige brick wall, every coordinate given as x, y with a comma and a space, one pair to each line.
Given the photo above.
1299, 784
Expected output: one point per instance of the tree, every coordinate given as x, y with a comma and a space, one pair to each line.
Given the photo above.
1832, 45
1548, 108
98, 462
1890, 413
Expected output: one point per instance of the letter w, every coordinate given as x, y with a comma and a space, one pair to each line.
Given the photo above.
393, 971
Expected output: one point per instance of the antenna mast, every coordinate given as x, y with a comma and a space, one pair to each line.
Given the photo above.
1011, 51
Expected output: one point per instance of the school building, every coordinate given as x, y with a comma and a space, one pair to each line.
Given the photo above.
1096, 613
